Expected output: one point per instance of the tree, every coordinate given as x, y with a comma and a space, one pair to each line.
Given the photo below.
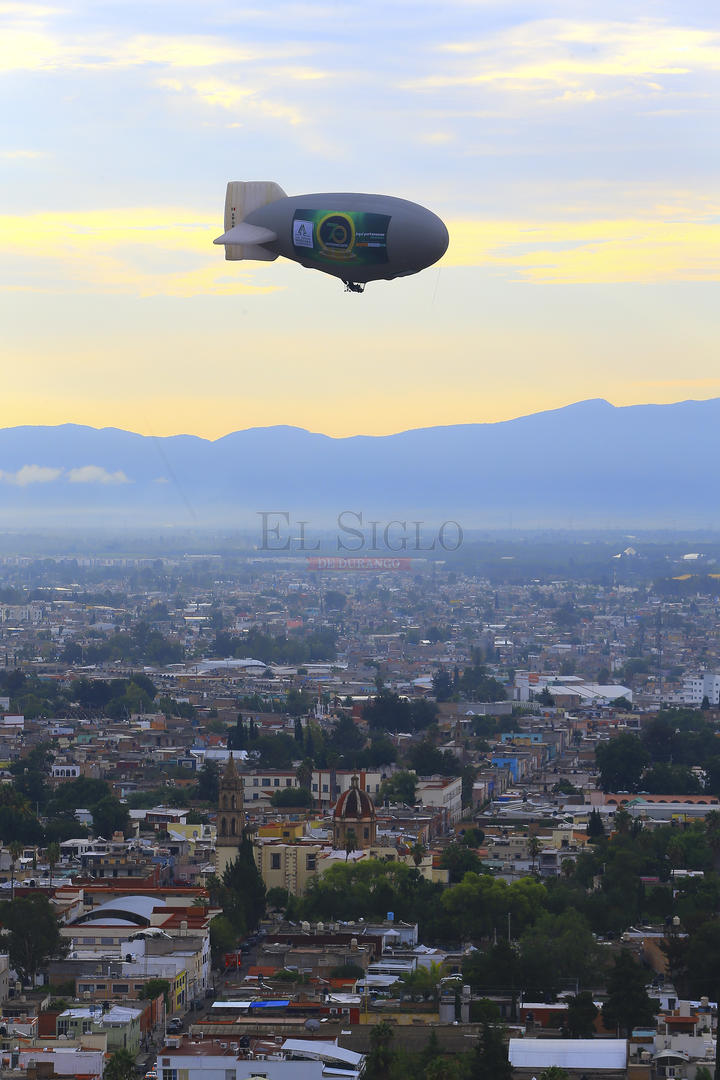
442, 685
423, 981
621, 761
595, 827
120, 1066
52, 854
304, 773
459, 859
292, 796
16, 849
581, 1013
417, 852
153, 988
208, 784
380, 1057
243, 900
545, 697
109, 816
490, 1058
223, 937
558, 949
29, 951
533, 851
398, 788
628, 1005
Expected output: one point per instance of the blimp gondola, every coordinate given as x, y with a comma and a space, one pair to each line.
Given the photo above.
354, 237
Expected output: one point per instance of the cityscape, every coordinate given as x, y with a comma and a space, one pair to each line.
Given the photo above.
360, 627
459, 817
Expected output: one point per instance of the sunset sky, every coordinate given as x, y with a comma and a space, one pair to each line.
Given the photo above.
571, 147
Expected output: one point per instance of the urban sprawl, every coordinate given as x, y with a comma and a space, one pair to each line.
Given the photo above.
262, 818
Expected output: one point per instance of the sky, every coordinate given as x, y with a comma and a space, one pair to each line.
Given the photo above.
572, 148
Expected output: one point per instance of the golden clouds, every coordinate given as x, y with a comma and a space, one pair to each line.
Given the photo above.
152, 251
602, 251
118, 251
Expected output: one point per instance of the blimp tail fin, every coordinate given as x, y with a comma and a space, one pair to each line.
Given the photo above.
241, 198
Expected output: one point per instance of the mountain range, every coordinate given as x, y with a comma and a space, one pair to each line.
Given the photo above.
590, 464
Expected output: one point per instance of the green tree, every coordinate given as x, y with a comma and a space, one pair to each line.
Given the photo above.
109, 816
379, 1059
292, 796
533, 851
459, 859
628, 1005
398, 788
52, 854
208, 782
557, 949
223, 937
153, 988
120, 1066
595, 827
423, 981
442, 685
621, 762
489, 1060
29, 951
244, 898
581, 1014
304, 774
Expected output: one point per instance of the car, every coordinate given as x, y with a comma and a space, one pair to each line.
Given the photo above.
175, 1025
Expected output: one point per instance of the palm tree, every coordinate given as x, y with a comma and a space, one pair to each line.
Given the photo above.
121, 1066
52, 854
16, 849
534, 850
418, 852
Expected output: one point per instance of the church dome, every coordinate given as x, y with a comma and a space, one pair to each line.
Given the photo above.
354, 804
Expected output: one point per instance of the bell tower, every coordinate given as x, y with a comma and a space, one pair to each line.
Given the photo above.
230, 816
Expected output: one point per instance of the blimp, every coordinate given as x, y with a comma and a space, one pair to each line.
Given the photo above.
354, 237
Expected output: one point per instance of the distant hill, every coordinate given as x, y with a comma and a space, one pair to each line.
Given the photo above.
587, 465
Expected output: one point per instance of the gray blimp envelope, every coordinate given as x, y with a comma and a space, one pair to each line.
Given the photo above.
354, 237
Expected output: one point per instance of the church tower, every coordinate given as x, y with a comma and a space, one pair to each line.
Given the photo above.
230, 817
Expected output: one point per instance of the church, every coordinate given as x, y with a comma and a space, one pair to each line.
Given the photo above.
230, 817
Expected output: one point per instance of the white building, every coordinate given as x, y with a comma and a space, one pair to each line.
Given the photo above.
293, 1059
442, 791
697, 687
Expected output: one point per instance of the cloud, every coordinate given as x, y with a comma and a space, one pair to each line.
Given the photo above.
140, 251
229, 95
168, 251
577, 61
19, 155
96, 474
25, 47
30, 474
593, 251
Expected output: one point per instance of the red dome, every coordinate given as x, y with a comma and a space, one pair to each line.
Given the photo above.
354, 804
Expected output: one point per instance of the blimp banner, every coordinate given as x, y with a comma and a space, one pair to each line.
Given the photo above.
349, 236
334, 562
